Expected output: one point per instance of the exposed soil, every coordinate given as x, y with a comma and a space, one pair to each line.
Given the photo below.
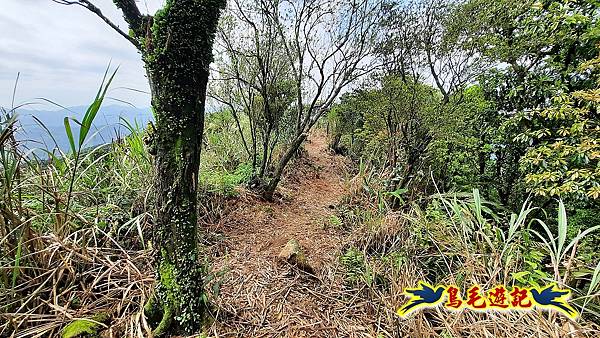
262, 296
260, 229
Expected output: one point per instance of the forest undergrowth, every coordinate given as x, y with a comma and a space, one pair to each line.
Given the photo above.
89, 270
328, 156
365, 255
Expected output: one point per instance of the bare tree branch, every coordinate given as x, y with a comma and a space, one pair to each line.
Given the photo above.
130, 11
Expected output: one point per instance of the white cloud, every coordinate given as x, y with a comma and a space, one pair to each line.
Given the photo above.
63, 51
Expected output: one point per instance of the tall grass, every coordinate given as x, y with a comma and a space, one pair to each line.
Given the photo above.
460, 239
72, 230
85, 126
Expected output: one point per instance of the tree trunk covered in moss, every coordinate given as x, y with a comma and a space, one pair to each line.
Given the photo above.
177, 57
176, 47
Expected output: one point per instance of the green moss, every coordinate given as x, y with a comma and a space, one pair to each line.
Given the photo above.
167, 278
152, 310
85, 327
165, 323
81, 328
178, 152
169, 291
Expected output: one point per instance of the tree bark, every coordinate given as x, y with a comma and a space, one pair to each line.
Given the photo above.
176, 47
291, 150
177, 60
334, 144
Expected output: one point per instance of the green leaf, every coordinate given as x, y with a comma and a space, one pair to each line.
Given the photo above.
562, 226
93, 109
17, 266
477, 205
520, 276
580, 236
70, 134
595, 279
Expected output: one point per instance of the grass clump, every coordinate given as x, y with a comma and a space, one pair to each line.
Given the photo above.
460, 239
355, 266
224, 182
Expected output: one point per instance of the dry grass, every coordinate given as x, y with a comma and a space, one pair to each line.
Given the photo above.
86, 275
57, 264
263, 298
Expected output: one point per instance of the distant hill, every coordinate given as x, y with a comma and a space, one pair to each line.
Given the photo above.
107, 125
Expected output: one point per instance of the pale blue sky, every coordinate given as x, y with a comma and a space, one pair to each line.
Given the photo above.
63, 51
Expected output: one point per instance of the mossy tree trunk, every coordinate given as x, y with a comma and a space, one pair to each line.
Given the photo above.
177, 58
176, 47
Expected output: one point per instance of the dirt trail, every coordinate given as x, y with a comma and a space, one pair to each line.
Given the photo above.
260, 229
261, 296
